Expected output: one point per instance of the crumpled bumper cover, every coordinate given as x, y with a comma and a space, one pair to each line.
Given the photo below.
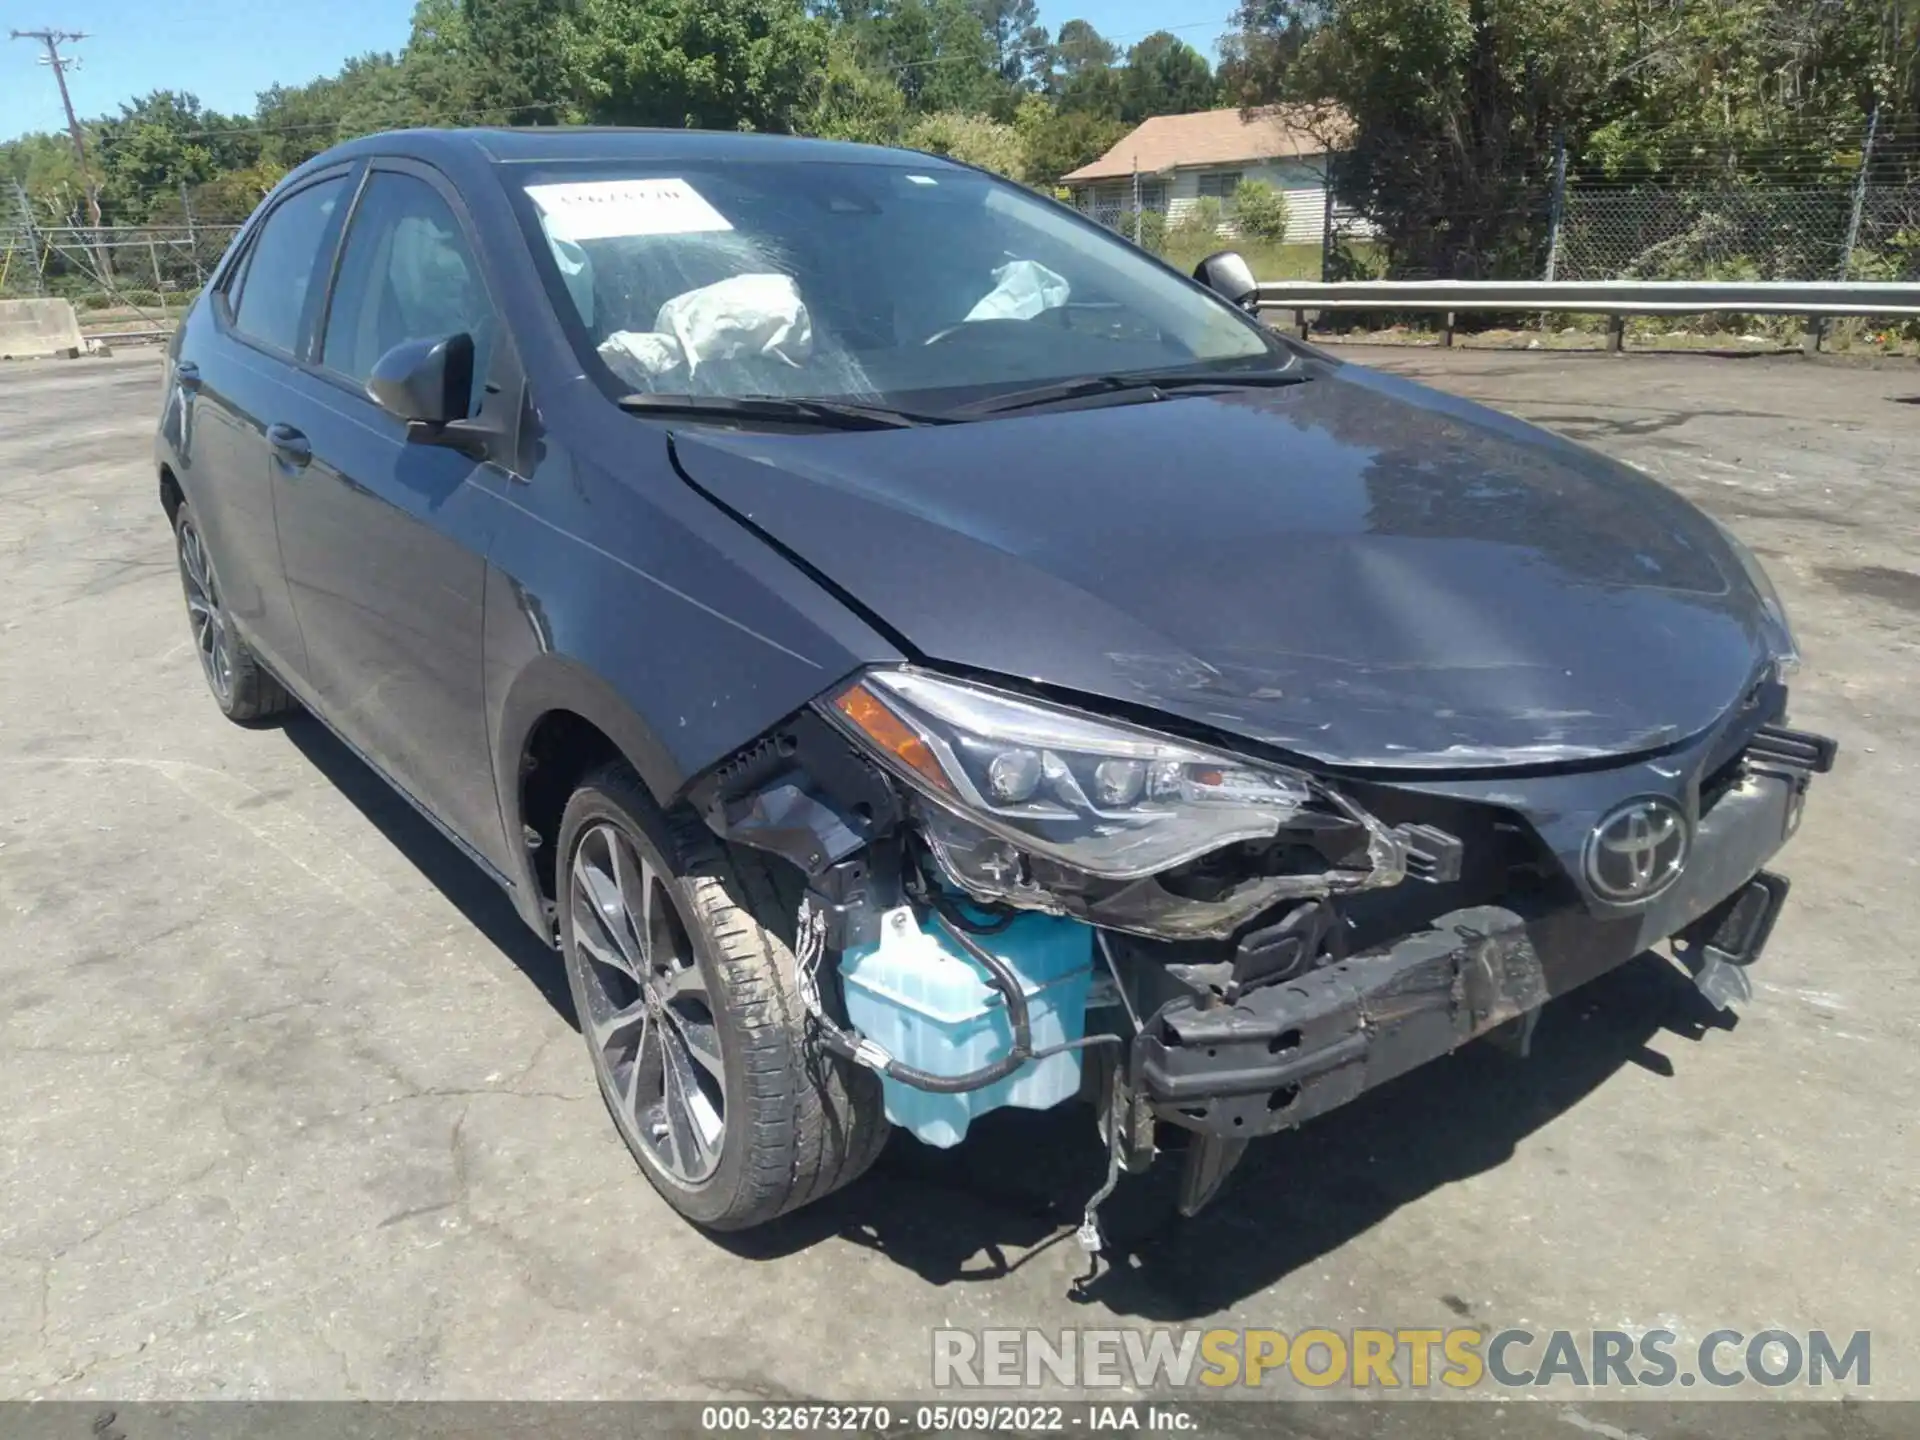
1295, 1049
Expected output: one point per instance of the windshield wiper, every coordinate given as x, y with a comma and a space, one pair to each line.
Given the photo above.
840, 414
1138, 380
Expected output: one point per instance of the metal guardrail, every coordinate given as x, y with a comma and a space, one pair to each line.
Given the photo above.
1817, 300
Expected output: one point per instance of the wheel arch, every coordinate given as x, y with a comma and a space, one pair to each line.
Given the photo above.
558, 722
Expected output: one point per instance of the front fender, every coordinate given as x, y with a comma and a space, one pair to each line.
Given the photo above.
555, 682
638, 605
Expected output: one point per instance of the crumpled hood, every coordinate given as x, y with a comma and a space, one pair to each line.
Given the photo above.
1357, 569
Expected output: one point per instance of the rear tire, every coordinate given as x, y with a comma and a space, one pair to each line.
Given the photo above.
243, 688
795, 1122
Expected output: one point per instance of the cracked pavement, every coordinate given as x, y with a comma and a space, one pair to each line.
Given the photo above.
292, 1107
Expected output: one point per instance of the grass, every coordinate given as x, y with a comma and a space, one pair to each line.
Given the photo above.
1269, 261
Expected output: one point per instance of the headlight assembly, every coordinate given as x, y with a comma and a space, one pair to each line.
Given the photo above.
1019, 790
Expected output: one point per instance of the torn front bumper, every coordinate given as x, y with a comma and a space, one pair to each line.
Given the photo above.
1288, 1051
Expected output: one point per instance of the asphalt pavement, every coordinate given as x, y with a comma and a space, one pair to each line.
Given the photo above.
292, 1107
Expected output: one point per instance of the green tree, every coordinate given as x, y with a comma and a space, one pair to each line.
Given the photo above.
45, 167
440, 74
1454, 107
1079, 48
848, 101
1095, 92
937, 51
156, 145
1057, 141
1165, 76
1084, 77
974, 139
710, 64
232, 195
1260, 211
1266, 40
370, 92
517, 55
1023, 50
1767, 90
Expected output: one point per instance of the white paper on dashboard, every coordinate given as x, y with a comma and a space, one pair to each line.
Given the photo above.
603, 209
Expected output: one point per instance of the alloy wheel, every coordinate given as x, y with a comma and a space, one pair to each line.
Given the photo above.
648, 1014
212, 635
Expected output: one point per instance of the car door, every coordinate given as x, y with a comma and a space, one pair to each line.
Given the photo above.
384, 541
236, 381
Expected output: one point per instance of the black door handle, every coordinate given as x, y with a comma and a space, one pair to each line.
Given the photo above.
187, 374
290, 447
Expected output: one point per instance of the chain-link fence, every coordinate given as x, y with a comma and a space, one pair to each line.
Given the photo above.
1831, 231
1802, 204
125, 277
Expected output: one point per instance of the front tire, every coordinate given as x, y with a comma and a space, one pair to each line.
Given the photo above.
243, 688
684, 986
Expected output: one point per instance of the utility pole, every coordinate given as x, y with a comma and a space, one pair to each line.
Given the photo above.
58, 63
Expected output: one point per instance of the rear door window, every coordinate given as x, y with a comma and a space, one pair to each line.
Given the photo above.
279, 279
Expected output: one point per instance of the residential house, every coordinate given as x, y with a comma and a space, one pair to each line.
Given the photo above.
1180, 158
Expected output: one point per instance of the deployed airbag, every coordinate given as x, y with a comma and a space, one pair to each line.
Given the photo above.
742, 317
753, 316
1025, 288
637, 356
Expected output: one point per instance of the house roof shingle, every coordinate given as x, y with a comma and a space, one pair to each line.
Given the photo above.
1215, 137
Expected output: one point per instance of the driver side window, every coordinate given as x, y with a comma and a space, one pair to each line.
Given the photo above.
406, 274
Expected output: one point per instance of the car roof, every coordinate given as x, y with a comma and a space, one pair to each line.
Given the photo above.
562, 143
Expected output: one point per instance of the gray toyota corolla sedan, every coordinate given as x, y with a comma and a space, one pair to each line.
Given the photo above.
914, 653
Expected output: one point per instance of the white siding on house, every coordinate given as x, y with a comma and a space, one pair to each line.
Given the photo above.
1304, 183
1181, 194
1301, 181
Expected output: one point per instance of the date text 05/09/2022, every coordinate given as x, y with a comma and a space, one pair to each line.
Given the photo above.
1039, 1418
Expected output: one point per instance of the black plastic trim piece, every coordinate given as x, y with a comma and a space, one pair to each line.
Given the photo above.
1801, 748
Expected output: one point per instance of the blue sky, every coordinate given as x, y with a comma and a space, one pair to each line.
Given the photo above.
226, 51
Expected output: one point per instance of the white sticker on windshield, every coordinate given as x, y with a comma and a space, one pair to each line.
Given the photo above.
602, 209
923, 179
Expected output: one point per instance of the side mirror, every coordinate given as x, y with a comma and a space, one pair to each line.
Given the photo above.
429, 384
1228, 275
429, 381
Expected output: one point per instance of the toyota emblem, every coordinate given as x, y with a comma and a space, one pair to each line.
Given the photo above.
1637, 851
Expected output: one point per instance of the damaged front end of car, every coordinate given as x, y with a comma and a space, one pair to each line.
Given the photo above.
1011, 901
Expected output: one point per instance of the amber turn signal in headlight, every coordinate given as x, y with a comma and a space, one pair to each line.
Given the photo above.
1100, 795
